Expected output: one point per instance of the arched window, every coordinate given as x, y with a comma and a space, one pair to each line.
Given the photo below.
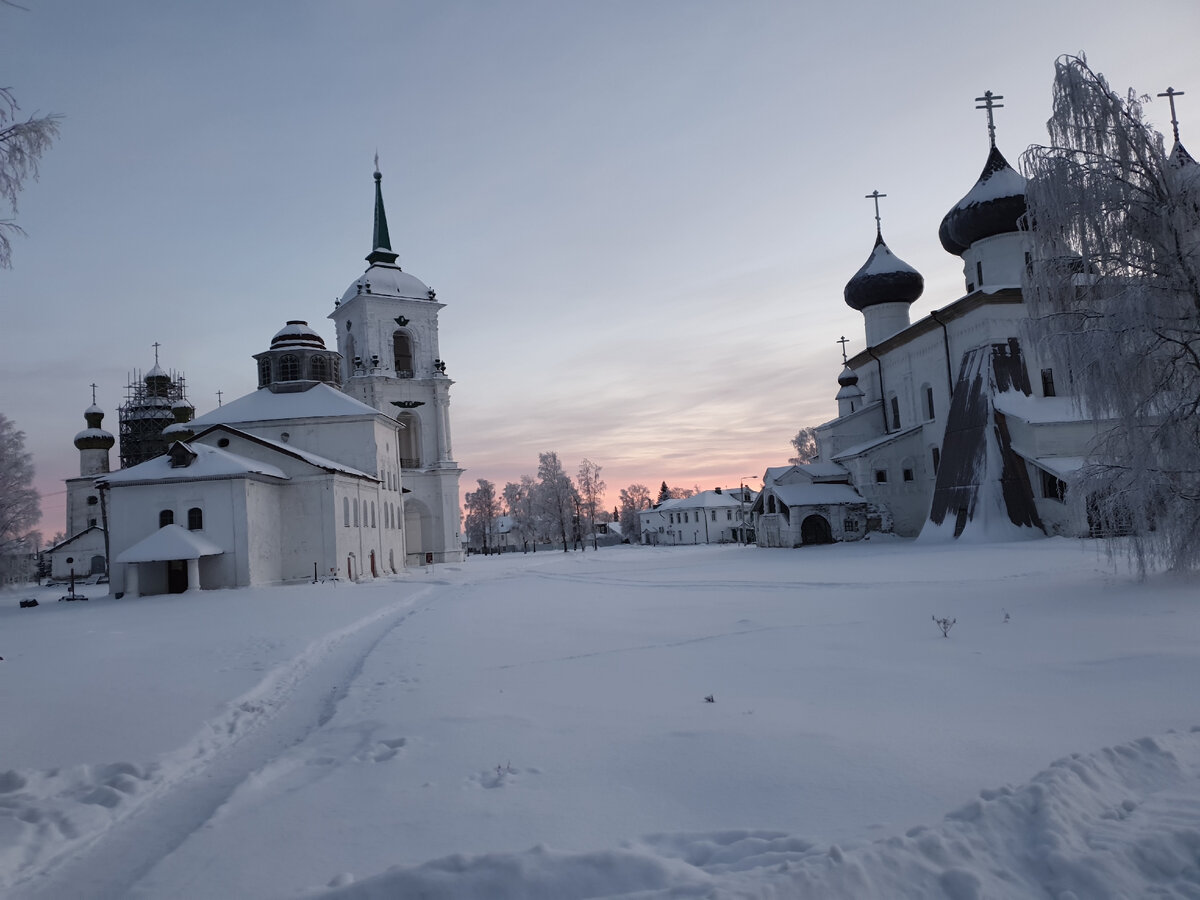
410, 441
195, 519
337, 370
165, 518
355, 506
372, 513
346, 512
264, 372
289, 368
318, 369
927, 397
402, 351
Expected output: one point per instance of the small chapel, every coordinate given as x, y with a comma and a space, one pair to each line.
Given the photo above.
338, 466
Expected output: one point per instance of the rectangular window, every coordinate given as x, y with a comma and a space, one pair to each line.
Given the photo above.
1052, 487
1048, 383
881, 476
929, 402
714, 515
895, 412
908, 474
979, 272
937, 458
850, 525
729, 515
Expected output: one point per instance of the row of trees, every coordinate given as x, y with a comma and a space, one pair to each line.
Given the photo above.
551, 508
555, 508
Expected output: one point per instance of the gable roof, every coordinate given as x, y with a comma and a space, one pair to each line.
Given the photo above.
65, 541
209, 462
321, 462
264, 405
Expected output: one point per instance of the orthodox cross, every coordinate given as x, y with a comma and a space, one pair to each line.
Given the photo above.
93, 393
1171, 94
156, 346
219, 398
988, 102
843, 340
875, 195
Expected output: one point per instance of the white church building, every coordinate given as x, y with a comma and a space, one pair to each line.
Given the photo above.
296, 480
950, 424
338, 466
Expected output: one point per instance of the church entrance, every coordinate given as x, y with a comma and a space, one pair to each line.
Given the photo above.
177, 581
815, 530
97, 565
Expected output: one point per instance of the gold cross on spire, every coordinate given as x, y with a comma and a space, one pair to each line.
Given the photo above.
1171, 94
875, 195
988, 102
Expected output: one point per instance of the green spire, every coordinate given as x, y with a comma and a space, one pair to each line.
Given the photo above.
381, 242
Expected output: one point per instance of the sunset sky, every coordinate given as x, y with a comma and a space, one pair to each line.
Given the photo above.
640, 215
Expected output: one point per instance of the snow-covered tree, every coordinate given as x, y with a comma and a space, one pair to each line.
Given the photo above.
483, 506
556, 497
805, 445
633, 500
1113, 286
19, 509
519, 501
664, 494
591, 489
22, 143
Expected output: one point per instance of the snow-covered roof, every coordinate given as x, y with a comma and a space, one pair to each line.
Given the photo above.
1039, 410
816, 494
209, 462
170, 542
390, 281
63, 543
702, 500
264, 405
873, 443
817, 469
773, 472
322, 462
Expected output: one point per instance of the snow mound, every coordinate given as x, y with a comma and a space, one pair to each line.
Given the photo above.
1122, 822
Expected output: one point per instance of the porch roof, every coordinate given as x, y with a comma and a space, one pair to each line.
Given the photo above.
168, 543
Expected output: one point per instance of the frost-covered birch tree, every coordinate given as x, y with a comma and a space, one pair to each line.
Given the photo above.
1113, 287
19, 506
591, 488
483, 506
518, 498
22, 143
556, 496
633, 499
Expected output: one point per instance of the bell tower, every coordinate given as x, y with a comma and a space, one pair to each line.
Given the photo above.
387, 334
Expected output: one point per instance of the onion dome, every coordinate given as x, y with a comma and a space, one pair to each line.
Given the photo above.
94, 437
883, 278
849, 389
848, 378
991, 207
297, 333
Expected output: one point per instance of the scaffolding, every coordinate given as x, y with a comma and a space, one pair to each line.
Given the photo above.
147, 410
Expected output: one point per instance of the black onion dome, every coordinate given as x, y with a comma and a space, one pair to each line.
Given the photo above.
883, 278
848, 378
991, 207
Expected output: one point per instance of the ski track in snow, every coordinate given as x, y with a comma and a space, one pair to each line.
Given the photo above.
107, 826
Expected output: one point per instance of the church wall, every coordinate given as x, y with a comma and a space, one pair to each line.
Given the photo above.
80, 513
264, 508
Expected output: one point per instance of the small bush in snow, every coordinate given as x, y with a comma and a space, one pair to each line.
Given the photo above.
945, 625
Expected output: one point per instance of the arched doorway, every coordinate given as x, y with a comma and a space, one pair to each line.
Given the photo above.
815, 530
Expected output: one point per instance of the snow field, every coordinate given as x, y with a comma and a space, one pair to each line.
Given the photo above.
289, 741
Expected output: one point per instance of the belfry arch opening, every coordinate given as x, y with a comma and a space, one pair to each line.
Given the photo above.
410, 441
402, 352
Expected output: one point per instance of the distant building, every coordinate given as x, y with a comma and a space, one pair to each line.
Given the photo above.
709, 517
812, 503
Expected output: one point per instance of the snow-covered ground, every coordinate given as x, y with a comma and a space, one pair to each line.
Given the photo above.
536, 726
